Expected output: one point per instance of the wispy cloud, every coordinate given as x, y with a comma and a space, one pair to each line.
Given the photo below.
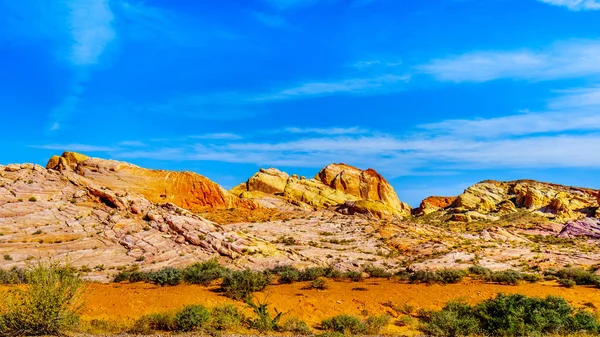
218, 136
562, 60
575, 5
366, 85
327, 131
91, 29
273, 21
76, 147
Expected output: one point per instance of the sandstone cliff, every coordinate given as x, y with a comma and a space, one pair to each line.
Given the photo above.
348, 189
490, 200
184, 189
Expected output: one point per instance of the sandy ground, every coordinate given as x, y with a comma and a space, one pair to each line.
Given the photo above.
126, 302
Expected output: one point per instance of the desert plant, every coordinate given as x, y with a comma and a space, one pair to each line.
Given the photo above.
192, 317
345, 324
579, 276
264, 322
319, 283
508, 277
377, 272
154, 322
48, 306
289, 275
567, 283
295, 326
376, 323
225, 317
354, 276
204, 272
455, 319
240, 285
166, 276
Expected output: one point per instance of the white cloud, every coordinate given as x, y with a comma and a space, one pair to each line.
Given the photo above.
91, 29
575, 5
76, 147
346, 86
563, 60
327, 131
218, 136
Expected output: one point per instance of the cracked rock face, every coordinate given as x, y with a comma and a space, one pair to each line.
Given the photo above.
497, 199
344, 188
66, 216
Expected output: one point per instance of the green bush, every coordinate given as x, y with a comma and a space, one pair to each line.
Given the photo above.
376, 272
455, 319
166, 276
345, 324
225, 317
48, 306
532, 278
479, 271
204, 272
296, 327
510, 315
354, 276
507, 277
13, 276
443, 276
264, 322
579, 276
240, 285
567, 283
376, 323
310, 274
319, 283
154, 322
192, 317
288, 276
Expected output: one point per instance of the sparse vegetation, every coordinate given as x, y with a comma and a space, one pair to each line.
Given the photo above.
295, 326
49, 305
509, 315
264, 322
443, 276
240, 285
319, 283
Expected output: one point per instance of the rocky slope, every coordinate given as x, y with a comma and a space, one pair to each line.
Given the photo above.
345, 188
494, 200
184, 189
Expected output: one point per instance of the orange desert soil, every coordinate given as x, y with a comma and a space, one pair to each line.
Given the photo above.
126, 302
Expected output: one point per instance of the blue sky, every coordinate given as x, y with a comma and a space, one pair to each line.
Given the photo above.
436, 95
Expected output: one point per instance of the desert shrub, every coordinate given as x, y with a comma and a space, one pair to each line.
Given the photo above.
225, 317
203, 272
166, 276
450, 276
295, 326
377, 272
455, 319
579, 276
374, 324
424, 276
532, 278
48, 306
239, 285
443, 276
354, 276
13, 276
154, 322
584, 321
345, 324
508, 277
518, 315
319, 283
288, 275
480, 271
330, 334
264, 322
567, 283
192, 317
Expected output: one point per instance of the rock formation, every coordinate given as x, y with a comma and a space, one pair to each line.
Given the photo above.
354, 192
67, 216
432, 204
184, 189
496, 199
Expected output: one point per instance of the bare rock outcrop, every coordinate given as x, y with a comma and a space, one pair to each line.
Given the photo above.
364, 184
303, 194
498, 199
184, 189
